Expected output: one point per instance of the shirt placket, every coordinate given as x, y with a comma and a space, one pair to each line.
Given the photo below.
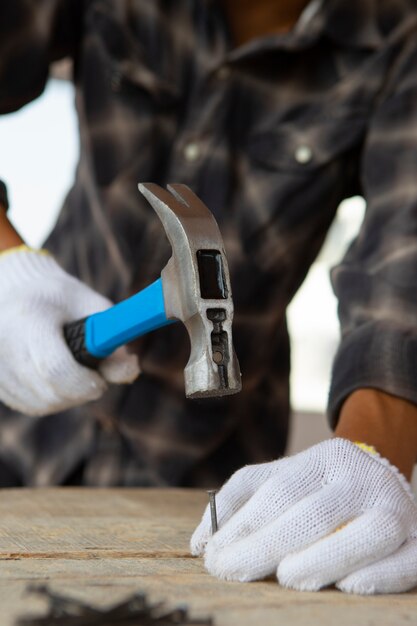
205, 128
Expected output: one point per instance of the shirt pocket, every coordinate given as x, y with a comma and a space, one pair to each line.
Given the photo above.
125, 59
303, 148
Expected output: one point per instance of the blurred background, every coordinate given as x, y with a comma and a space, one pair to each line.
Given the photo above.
39, 166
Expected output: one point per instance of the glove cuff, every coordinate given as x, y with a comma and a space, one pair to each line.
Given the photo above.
22, 248
372, 452
365, 447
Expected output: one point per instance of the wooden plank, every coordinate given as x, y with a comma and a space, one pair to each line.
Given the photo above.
102, 545
74, 523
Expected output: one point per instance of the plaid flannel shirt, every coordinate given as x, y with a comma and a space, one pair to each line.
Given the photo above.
272, 135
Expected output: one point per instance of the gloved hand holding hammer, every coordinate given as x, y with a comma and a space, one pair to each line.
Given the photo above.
52, 320
39, 375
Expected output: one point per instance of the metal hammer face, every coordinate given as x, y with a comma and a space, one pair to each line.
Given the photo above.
196, 289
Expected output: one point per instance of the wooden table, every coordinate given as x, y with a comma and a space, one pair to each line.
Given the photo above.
101, 545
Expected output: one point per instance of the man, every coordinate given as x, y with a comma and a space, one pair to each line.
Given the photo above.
272, 113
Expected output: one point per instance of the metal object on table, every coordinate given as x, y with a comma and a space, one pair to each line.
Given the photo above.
213, 511
135, 611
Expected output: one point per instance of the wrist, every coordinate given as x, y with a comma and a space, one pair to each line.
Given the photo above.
384, 421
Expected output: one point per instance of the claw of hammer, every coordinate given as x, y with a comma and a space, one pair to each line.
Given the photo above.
194, 288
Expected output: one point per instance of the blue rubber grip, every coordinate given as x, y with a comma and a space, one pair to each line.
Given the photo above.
124, 322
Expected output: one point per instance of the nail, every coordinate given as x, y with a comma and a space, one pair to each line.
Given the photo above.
212, 498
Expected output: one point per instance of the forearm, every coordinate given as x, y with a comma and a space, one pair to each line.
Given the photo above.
9, 238
384, 421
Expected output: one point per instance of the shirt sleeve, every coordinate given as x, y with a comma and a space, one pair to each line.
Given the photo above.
376, 283
33, 33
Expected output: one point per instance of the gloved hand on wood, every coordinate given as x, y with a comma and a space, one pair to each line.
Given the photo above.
38, 374
333, 514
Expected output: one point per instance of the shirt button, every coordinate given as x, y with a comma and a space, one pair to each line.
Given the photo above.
303, 154
192, 151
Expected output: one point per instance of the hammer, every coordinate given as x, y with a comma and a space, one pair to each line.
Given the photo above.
194, 288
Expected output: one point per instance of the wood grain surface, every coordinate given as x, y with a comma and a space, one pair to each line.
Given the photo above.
101, 545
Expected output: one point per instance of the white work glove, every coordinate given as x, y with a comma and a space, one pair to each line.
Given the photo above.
38, 374
333, 514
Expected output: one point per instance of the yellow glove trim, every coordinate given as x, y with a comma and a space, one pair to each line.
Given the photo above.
23, 248
365, 447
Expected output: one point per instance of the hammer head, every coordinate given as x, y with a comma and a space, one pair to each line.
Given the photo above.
197, 291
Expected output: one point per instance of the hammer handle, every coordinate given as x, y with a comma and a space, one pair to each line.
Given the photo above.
97, 336
74, 334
